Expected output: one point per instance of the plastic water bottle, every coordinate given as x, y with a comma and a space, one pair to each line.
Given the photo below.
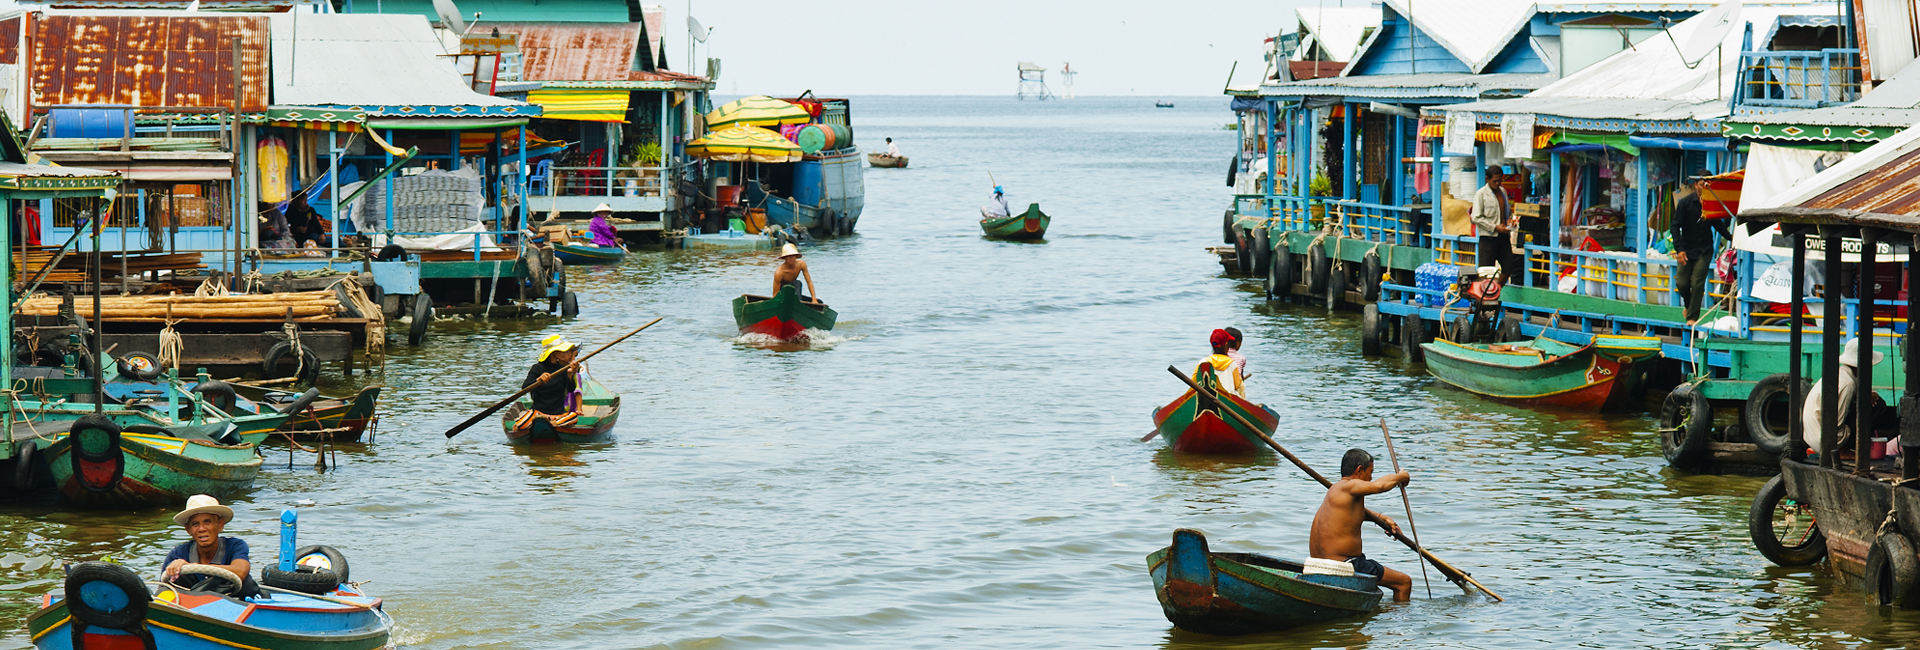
288, 530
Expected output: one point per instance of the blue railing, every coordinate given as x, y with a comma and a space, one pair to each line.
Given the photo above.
1798, 79
1381, 224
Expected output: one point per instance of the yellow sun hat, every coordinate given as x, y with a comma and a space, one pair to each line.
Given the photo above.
554, 343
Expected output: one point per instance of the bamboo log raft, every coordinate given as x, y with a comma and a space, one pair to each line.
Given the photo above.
305, 304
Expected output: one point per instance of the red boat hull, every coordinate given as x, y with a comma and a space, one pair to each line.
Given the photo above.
1192, 429
784, 330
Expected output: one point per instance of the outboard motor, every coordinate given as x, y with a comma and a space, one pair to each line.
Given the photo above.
1483, 304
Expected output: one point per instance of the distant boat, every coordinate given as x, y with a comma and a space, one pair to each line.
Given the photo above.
584, 253
884, 160
1163, 104
1026, 226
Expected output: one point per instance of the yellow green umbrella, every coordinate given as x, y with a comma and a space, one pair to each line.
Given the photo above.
741, 142
758, 110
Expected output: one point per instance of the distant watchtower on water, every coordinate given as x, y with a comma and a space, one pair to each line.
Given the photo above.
1033, 81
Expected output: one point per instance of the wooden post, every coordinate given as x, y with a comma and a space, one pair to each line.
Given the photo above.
1910, 402
1796, 403
1830, 345
1863, 364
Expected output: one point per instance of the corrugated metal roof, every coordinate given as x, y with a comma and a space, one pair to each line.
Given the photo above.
1650, 82
553, 51
1426, 84
1473, 30
600, 11
1895, 102
145, 60
176, 5
365, 60
1340, 30
1880, 178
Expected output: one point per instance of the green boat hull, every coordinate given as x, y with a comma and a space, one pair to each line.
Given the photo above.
155, 471
588, 254
599, 411
1028, 226
784, 316
1543, 372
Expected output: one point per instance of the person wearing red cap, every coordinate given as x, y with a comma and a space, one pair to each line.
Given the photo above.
1224, 367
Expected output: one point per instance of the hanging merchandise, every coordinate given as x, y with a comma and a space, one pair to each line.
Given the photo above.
275, 171
1516, 133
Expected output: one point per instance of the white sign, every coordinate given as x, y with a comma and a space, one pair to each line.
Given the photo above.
1516, 131
1769, 241
1459, 136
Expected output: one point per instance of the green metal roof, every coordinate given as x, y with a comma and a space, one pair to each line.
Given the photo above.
565, 11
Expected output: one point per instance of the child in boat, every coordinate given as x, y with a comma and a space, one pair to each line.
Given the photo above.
1233, 350
1224, 367
1336, 527
204, 520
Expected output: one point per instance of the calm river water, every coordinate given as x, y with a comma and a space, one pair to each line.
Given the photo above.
959, 465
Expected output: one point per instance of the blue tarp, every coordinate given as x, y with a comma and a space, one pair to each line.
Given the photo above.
1686, 144
1247, 104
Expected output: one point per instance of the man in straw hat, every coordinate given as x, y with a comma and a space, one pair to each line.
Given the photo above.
791, 269
1810, 410
205, 519
554, 397
602, 231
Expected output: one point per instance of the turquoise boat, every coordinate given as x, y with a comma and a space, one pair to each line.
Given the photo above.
97, 463
583, 254
1543, 372
1242, 593
599, 411
1027, 226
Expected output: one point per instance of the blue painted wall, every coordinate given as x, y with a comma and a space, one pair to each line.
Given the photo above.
1519, 56
1399, 46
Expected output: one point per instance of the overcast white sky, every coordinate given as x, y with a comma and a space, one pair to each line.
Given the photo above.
918, 47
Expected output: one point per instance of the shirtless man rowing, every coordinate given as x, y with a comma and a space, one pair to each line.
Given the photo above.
790, 271
1336, 527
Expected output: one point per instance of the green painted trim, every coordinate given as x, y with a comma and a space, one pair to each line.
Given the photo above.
1547, 299
1808, 132
470, 269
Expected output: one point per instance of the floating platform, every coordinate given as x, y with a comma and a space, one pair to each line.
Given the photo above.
728, 241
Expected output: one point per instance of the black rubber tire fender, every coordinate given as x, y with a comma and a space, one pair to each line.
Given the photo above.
1893, 572
309, 368
1765, 540
1370, 274
334, 560
1270, 283
569, 304
25, 454
1243, 251
1285, 268
139, 365
422, 313
1510, 328
831, 221
346, 303
303, 579
1370, 330
1686, 425
1226, 228
1413, 332
1262, 251
103, 594
1318, 268
1336, 285
1756, 413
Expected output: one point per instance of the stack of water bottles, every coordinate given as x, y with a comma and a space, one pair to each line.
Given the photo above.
1436, 277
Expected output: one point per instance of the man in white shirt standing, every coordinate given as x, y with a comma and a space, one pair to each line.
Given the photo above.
1493, 220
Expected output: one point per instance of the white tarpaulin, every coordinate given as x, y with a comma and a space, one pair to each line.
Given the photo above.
1459, 135
1516, 131
1771, 173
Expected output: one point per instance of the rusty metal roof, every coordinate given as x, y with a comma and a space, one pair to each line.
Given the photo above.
205, 5
146, 60
574, 51
1891, 188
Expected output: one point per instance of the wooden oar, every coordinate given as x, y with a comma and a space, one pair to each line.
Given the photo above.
1405, 501
510, 398
1446, 570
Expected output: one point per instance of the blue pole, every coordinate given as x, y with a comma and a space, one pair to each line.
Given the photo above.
288, 528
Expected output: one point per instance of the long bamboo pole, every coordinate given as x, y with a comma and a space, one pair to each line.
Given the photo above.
1395, 456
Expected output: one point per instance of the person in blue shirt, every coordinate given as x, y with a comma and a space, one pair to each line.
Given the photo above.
204, 520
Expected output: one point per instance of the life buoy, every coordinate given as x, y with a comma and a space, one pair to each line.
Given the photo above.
95, 454
103, 594
1767, 410
1686, 423
1805, 549
1893, 573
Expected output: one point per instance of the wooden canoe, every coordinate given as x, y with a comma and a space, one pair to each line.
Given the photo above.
1543, 372
884, 160
599, 411
144, 469
588, 254
1189, 424
343, 619
1027, 226
784, 316
1242, 593
338, 419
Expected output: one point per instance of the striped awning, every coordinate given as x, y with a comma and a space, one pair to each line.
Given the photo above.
581, 104
1541, 137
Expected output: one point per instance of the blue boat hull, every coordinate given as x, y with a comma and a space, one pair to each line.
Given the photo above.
829, 192
587, 255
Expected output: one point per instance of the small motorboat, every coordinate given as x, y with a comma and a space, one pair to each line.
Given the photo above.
1542, 372
884, 160
98, 463
784, 316
1190, 424
585, 254
599, 410
1027, 226
1242, 593
305, 602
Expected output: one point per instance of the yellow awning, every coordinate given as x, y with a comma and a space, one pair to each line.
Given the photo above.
581, 104
758, 110
744, 143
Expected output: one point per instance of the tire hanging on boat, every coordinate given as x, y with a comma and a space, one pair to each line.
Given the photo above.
1759, 410
94, 450
1803, 552
1262, 251
103, 594
1281, 272
309, 363
1412, 334
304, 579
1370, 274
139, 365
422, 317
1317, 268
1370, 330
24, 453
1226, 228
1243, 251
1893, 572
1336, 285
1686, 423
